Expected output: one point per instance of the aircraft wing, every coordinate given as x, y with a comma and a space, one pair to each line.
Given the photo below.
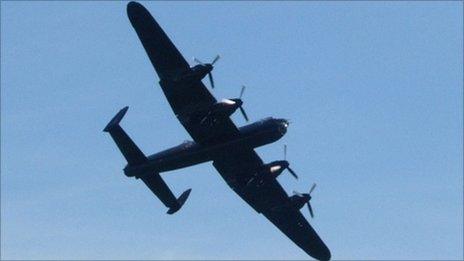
237, 168
187, 101
164, 56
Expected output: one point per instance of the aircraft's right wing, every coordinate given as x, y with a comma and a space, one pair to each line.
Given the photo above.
240, 165
293, 224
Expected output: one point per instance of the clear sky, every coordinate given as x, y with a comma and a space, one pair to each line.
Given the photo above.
373, 90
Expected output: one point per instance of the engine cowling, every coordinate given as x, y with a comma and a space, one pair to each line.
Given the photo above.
276, 168
224, 108
195, 74
227, 106
298, 201
268, 171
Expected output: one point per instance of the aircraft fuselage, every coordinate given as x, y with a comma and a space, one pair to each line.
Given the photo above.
191, 153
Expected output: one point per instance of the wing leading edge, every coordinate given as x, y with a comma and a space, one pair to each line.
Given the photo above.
190, 102
163, 54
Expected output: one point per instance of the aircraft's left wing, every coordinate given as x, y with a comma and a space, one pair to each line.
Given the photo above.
187, 101
237, 167
163, 54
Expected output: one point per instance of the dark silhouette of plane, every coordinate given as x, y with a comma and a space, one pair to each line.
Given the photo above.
216, 139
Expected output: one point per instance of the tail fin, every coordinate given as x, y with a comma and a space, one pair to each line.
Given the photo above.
180, 202
136, 158
131, 152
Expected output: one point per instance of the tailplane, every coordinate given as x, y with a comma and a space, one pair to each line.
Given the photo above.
137, 161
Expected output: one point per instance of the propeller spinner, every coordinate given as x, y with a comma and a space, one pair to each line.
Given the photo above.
210, 75
307, 197
240, 107
288, 164
238, 101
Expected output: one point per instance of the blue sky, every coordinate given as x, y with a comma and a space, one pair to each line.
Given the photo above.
373, 90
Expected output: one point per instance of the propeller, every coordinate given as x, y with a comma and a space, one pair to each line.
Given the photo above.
288, 166
210, 75
307, 196
240, 107
309, 204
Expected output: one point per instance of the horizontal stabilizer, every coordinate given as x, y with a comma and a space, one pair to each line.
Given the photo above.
136, 160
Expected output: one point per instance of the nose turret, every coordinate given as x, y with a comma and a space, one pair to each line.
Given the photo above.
283, 125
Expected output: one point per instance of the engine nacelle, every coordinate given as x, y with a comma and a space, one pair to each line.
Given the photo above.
194, 74
298, 201
224, 108
275, 168
268, 171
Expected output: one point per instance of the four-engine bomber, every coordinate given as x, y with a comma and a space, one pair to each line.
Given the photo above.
215, 138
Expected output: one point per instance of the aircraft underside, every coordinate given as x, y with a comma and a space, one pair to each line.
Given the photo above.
216, 138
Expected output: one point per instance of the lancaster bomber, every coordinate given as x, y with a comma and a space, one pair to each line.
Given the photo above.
215, 138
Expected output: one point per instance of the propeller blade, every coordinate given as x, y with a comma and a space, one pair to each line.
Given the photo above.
241, 92
297, 193
215, 59
211, 80
292, 172
243, 113
285, 151
198, 61
310, 210
312, 188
